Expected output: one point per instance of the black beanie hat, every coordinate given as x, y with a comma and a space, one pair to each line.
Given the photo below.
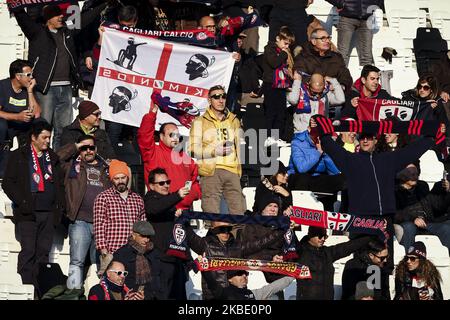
418, 249
51, 11
316, 232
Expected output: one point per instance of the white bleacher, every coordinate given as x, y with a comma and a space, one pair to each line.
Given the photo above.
285, 154
439, 12
431, 168
325, 12
249, 194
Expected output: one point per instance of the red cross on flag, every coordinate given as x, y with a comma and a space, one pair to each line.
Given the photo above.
132, 67
338, 221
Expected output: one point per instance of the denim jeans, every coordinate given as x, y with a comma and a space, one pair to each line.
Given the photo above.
57, 110
439, 229
346, 28
81, 240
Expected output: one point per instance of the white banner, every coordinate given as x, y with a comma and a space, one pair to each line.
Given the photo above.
132, 67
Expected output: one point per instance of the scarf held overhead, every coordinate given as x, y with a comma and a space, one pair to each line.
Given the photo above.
339, 221
16, 5
290, 269
380, 109
178, 245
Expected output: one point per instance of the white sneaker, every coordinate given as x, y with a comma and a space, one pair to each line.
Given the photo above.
269, 141
282, 143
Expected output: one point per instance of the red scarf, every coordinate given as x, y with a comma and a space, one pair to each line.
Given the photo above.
37, 173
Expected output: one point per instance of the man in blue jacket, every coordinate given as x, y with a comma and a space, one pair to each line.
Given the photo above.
312, 169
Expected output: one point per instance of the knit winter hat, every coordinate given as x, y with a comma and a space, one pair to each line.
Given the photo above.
117, 167
51, 11
316, 232
408, 174
362, 290
232, 273
86, 108
418, 249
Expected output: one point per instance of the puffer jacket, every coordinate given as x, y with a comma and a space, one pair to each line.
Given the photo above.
357, 9
203, 140
305, 158
320, 263
233, 248
43, 50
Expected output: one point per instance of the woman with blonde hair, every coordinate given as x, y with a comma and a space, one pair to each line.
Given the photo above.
416, 277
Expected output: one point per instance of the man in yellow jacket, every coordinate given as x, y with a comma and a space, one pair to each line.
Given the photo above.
214, 142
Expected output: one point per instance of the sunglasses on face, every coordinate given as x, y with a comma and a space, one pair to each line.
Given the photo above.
174, 135
322, 236
120, 272
162, 183
97, 114
222, 229
219, 96
412, 258
382, 258
86, 148
28, 74
424, 87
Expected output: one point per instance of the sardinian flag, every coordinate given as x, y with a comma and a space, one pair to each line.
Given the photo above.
338, 221
380, 109
134, 68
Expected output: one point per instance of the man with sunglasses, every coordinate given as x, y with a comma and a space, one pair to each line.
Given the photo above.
18, 106
161, 211
85, 176
215, 143
367, 87
112, 285
88, 123
168, 155
367, 265
317, 57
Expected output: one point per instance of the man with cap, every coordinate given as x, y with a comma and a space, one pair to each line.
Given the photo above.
416, 277
54, 57
370, 176
142, 261
85, 176
88, 123
115, 211
363, 292
237, 287
320, 259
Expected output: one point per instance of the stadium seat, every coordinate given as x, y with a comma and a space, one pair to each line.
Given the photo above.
285, 155
306, 199
431, 168
249, 193
439, 12
16, 292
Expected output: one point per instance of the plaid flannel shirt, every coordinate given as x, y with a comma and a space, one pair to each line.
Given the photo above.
114, 218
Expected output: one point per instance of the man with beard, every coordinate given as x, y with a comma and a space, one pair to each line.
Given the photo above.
115, 211
142, 261
85, 176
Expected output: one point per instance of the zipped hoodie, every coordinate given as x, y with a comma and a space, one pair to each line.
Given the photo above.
370, 177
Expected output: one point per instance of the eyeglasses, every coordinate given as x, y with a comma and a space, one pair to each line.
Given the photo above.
97, 114
120, 272
382, 258
424, 87
324, 38
86, 148
174, 135
162, 183
219, 96
412, 258
28, 74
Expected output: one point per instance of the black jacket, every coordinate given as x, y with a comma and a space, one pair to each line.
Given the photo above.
370, 177
43, 50
320, 263
72, 132
153, 290
16, 184
357, 9
211, 246
405, 291
408, 202
160, 212
272, 61
438, 112
355, 270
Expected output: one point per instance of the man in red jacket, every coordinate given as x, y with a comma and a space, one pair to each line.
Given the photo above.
179, 166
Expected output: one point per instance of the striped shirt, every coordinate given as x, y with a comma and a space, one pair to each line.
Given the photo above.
114, 218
